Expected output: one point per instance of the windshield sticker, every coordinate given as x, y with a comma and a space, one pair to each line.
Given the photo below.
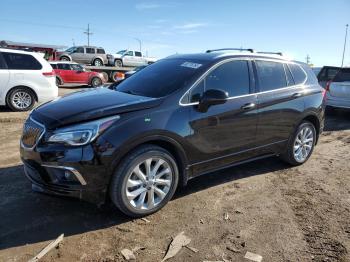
191, 65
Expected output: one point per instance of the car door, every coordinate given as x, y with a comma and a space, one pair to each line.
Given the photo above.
4, 79
280, 102
224, 133
128, 58
78, 73
79, 55
65, 72
139, 59
90, 53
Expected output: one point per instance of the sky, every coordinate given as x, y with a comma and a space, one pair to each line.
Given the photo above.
295, 27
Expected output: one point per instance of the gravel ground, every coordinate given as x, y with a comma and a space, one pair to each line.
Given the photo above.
266, 207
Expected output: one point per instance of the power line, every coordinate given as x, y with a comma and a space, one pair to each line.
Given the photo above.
346, 36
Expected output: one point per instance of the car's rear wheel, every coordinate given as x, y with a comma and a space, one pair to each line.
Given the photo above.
21, 99
96, 81
301, 144
144, 181
97, 62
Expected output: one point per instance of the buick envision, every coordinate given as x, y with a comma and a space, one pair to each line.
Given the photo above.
179, 118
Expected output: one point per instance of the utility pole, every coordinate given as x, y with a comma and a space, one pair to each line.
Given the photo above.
88, 33
346, 36
140, 43
307, 59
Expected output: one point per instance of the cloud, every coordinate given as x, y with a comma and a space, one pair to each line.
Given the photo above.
190, 26
146, 6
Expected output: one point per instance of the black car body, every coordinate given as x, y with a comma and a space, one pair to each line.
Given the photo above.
205, 111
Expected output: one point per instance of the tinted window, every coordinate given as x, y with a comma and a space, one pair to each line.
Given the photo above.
54, 66
90, 50
343, 75
162, 78
327, 74
138, 54
2, 62
21, 61
271, 75
80, 50
129, 53
63, 66
100, 51
299, 75
232, 77
289, 76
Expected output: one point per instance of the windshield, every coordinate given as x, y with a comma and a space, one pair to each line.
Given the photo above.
121, 52
162, 78
71, 49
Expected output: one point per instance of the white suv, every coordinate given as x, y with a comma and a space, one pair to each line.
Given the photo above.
25, 78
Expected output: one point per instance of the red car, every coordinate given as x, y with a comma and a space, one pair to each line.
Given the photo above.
73, 73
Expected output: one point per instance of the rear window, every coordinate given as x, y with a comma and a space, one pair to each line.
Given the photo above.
17, 61
100, 51
343, 75
299, 75
162, 78
271, 75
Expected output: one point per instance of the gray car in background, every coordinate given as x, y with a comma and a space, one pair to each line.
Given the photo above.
86, 55
338, 90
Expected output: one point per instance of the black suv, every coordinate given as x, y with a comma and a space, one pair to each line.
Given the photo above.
179, 118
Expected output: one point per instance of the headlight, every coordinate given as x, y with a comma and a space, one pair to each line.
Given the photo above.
82, 134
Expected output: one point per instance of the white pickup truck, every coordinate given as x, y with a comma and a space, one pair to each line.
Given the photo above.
131, 58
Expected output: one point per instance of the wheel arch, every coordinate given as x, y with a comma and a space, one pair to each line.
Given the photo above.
20, 86
168, 143
313, 119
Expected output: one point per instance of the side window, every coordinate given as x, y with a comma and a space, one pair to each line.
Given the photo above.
17, 61
129, 53
90, 50
299, 75
100, 51
289, 76
63, 66
80, 50
139, 54
76, 67
2, 63
271, 75
54, 66
232, 77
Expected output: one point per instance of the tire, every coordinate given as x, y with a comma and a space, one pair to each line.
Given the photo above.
290, 156
118, 63
140, 205
58, 82
96, 81
21, 99
64, 58
97, 62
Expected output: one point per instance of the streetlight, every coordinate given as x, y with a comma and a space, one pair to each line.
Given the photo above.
140, 43
346, 36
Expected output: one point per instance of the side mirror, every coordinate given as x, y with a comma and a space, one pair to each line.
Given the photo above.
212, 97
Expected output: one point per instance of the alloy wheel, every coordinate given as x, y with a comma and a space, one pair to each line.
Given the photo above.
148, 183
303, 144
21, 100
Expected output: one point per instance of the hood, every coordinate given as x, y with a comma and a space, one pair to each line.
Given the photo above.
117, 56
89, 105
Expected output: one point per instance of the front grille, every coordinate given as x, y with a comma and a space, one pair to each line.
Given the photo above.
32, 132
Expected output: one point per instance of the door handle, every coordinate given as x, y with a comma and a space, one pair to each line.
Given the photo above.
295, 95
248, 106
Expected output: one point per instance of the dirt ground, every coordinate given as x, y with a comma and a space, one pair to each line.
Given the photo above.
279, 212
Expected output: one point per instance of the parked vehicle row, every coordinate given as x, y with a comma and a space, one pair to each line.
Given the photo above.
25, 78
176, 119
131, 58
338, 90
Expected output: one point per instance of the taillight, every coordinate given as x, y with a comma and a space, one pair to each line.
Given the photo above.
328, 85
49, 74
118, 76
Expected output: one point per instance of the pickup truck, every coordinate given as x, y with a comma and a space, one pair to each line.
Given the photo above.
131, 58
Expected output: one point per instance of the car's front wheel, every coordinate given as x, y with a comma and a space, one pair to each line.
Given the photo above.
301, 144
96, 81
144, 181
21, 99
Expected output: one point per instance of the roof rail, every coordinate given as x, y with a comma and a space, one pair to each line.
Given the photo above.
271, 53
235, 49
